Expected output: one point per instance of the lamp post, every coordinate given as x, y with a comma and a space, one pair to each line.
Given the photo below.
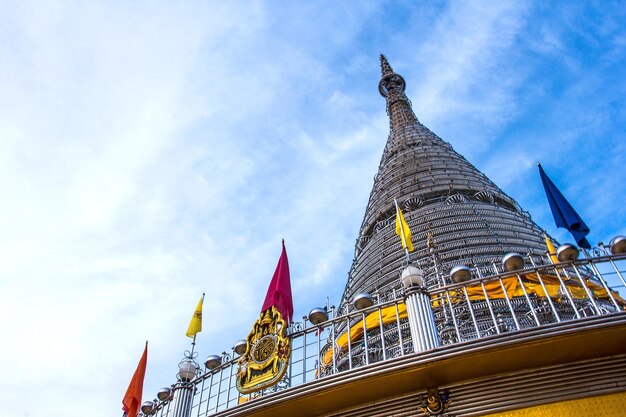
183, 390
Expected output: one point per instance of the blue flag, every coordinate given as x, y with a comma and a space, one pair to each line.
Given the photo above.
564, 214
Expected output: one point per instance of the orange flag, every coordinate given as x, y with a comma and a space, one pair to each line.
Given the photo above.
132, 398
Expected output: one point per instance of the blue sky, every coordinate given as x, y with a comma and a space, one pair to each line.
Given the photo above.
152, 151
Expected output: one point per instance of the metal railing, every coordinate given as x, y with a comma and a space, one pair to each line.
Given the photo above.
532, 297
488, 305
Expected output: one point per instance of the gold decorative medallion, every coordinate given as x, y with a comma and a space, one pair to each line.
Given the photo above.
267, 353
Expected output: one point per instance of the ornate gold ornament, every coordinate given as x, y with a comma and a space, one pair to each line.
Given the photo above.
267, 353
435, 402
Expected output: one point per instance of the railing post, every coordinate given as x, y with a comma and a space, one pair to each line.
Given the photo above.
601, 279
303, 350
230, 376
419, 310
564, 288
182, 399
471, 310
615, 268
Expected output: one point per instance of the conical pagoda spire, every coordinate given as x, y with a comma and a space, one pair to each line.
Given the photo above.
468, 218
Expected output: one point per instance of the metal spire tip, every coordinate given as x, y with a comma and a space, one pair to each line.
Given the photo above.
385, 68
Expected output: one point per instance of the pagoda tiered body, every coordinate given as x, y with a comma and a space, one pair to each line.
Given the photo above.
457, 215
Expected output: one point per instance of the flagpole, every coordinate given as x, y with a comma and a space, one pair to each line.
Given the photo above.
193, 342
402, 236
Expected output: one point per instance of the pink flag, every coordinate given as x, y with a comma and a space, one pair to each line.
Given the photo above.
279, 291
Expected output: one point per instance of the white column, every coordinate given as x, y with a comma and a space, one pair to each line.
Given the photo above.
421, 319
182, 398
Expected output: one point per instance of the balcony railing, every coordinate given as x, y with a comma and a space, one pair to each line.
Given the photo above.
488, 305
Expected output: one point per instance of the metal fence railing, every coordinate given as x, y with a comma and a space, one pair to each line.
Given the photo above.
487, 305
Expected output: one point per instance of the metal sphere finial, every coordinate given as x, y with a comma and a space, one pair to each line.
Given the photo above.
318, 315
362, 300
512, 261
618, 245
213, 361
164, 393
187, 370
240, 347
567, 253
147, 407
460, 273
412, 277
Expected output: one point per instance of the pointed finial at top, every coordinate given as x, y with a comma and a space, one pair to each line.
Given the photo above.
385, 68
390, 81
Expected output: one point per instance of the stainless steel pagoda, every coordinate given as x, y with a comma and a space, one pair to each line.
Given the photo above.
457, 215
485, 317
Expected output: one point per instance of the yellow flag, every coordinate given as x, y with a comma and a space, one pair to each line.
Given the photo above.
402, 230
195, 325
551, 250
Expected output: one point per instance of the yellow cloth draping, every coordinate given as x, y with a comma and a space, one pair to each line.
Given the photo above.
531, 283
372, 320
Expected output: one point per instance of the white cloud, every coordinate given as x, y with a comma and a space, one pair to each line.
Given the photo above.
461, 57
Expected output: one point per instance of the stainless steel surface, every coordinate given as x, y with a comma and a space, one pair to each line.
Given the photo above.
555, 383
239, 348
456, 214
318, 315
412, 277
187, 370
512, 262
147, 407
618, 245
182, 400
164, 393
213, 361
366, 345
488, 318
460, 273
458, 217
486, 391
362, 300
567, 252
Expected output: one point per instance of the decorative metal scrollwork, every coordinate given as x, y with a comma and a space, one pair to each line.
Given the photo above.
294, 326
412, 203
456, 198
485, 196
381, 224
363, 241
190, 354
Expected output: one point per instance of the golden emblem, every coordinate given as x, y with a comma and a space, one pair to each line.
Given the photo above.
267, 353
